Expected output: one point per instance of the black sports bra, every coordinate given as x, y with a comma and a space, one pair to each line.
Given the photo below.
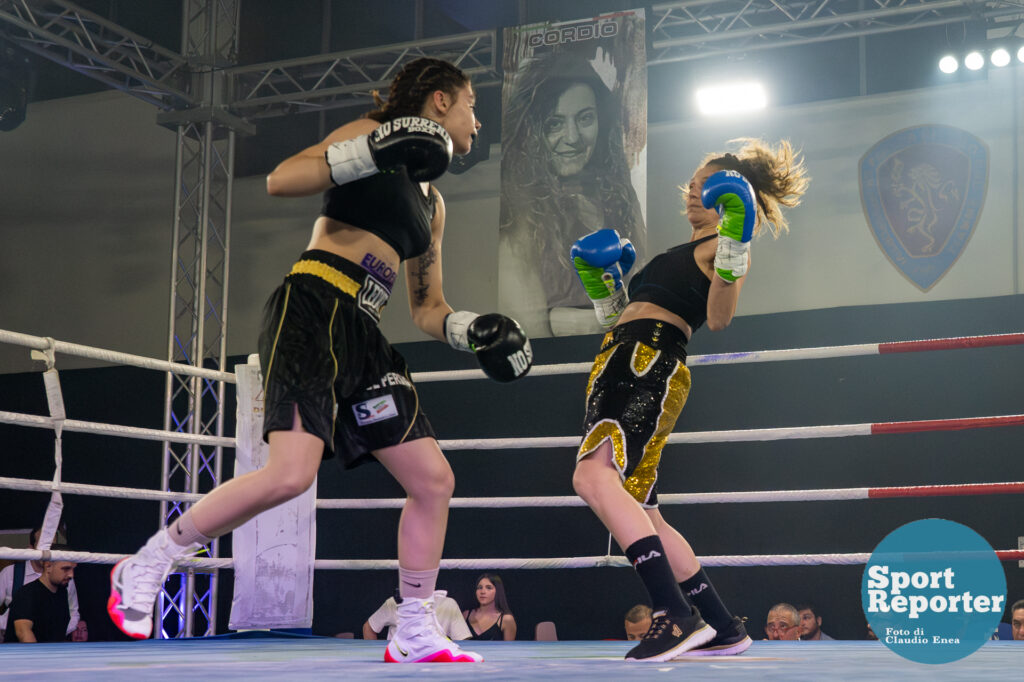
673, 281
389, 205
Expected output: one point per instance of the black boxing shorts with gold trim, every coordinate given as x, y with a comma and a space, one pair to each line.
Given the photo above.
636, 390
321, 350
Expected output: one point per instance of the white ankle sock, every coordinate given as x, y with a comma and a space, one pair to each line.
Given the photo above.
416, 584
183, 532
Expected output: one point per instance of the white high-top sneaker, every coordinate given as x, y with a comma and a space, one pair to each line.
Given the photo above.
419, 638
135, 581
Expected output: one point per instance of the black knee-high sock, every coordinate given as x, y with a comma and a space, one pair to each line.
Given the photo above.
701, 592
648, 558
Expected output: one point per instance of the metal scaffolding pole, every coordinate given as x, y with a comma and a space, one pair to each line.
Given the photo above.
199, 290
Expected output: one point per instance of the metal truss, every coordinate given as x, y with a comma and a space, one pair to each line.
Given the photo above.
199, 291
345, 78
204, 170
96, 47
696, 29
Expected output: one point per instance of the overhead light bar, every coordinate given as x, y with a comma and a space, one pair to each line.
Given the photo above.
975, 59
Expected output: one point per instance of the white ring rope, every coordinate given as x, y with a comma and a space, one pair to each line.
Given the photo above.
725, 436
819, 353
38, 421
97, 490
822, 352
489, 564
114, 357
742, 435
821, 494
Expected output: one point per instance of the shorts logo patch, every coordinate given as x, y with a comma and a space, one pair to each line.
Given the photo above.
375, 410
372, 297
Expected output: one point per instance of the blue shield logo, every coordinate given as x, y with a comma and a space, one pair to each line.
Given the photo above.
923, 189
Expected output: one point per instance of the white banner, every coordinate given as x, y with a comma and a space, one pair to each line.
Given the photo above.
273, 552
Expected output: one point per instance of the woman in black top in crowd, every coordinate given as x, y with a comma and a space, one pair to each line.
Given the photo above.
332, 383
491, 618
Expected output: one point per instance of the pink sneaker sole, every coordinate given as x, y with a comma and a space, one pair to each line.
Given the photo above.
115, 614
439, 657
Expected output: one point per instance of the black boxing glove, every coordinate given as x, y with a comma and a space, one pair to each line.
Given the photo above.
422, 146
499, 343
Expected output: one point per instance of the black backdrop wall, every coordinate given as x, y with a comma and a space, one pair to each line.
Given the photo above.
589, 603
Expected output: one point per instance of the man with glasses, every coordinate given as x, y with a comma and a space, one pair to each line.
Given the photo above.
783, 623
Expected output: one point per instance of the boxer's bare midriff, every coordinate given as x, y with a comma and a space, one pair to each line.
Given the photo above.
351, 243
643, 310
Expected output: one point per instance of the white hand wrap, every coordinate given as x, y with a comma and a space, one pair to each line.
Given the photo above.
610, 308
455, 326
731, 258
350, 160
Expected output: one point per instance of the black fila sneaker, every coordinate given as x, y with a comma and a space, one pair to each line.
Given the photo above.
670, 636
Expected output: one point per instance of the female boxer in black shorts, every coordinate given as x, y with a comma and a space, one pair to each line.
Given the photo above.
333, 384
639, 382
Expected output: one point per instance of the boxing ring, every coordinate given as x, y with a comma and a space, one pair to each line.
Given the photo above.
259, 656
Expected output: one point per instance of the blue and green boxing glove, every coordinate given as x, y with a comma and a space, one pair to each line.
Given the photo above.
733, 196
602, 259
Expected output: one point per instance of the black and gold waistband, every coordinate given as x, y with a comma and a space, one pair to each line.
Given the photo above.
369, 293
657, 334
342, 274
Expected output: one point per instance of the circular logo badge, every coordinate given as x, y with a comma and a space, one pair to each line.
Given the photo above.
933, 591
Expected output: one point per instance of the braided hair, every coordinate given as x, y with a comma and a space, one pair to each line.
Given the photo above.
414, 84
777, 175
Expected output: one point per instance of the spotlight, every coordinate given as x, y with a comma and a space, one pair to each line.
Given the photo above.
1000, 57
948, 64
731, 98
1020, 54
974, 61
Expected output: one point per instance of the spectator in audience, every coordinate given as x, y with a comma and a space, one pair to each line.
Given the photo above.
1017, 622
445, 608
638, 622
810, 622
80, 633
783, 622
39, 610
28, 571
491, 618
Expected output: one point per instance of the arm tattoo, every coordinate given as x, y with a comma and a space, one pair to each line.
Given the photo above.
423, 264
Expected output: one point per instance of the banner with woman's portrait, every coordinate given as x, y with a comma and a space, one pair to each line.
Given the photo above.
574, 140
